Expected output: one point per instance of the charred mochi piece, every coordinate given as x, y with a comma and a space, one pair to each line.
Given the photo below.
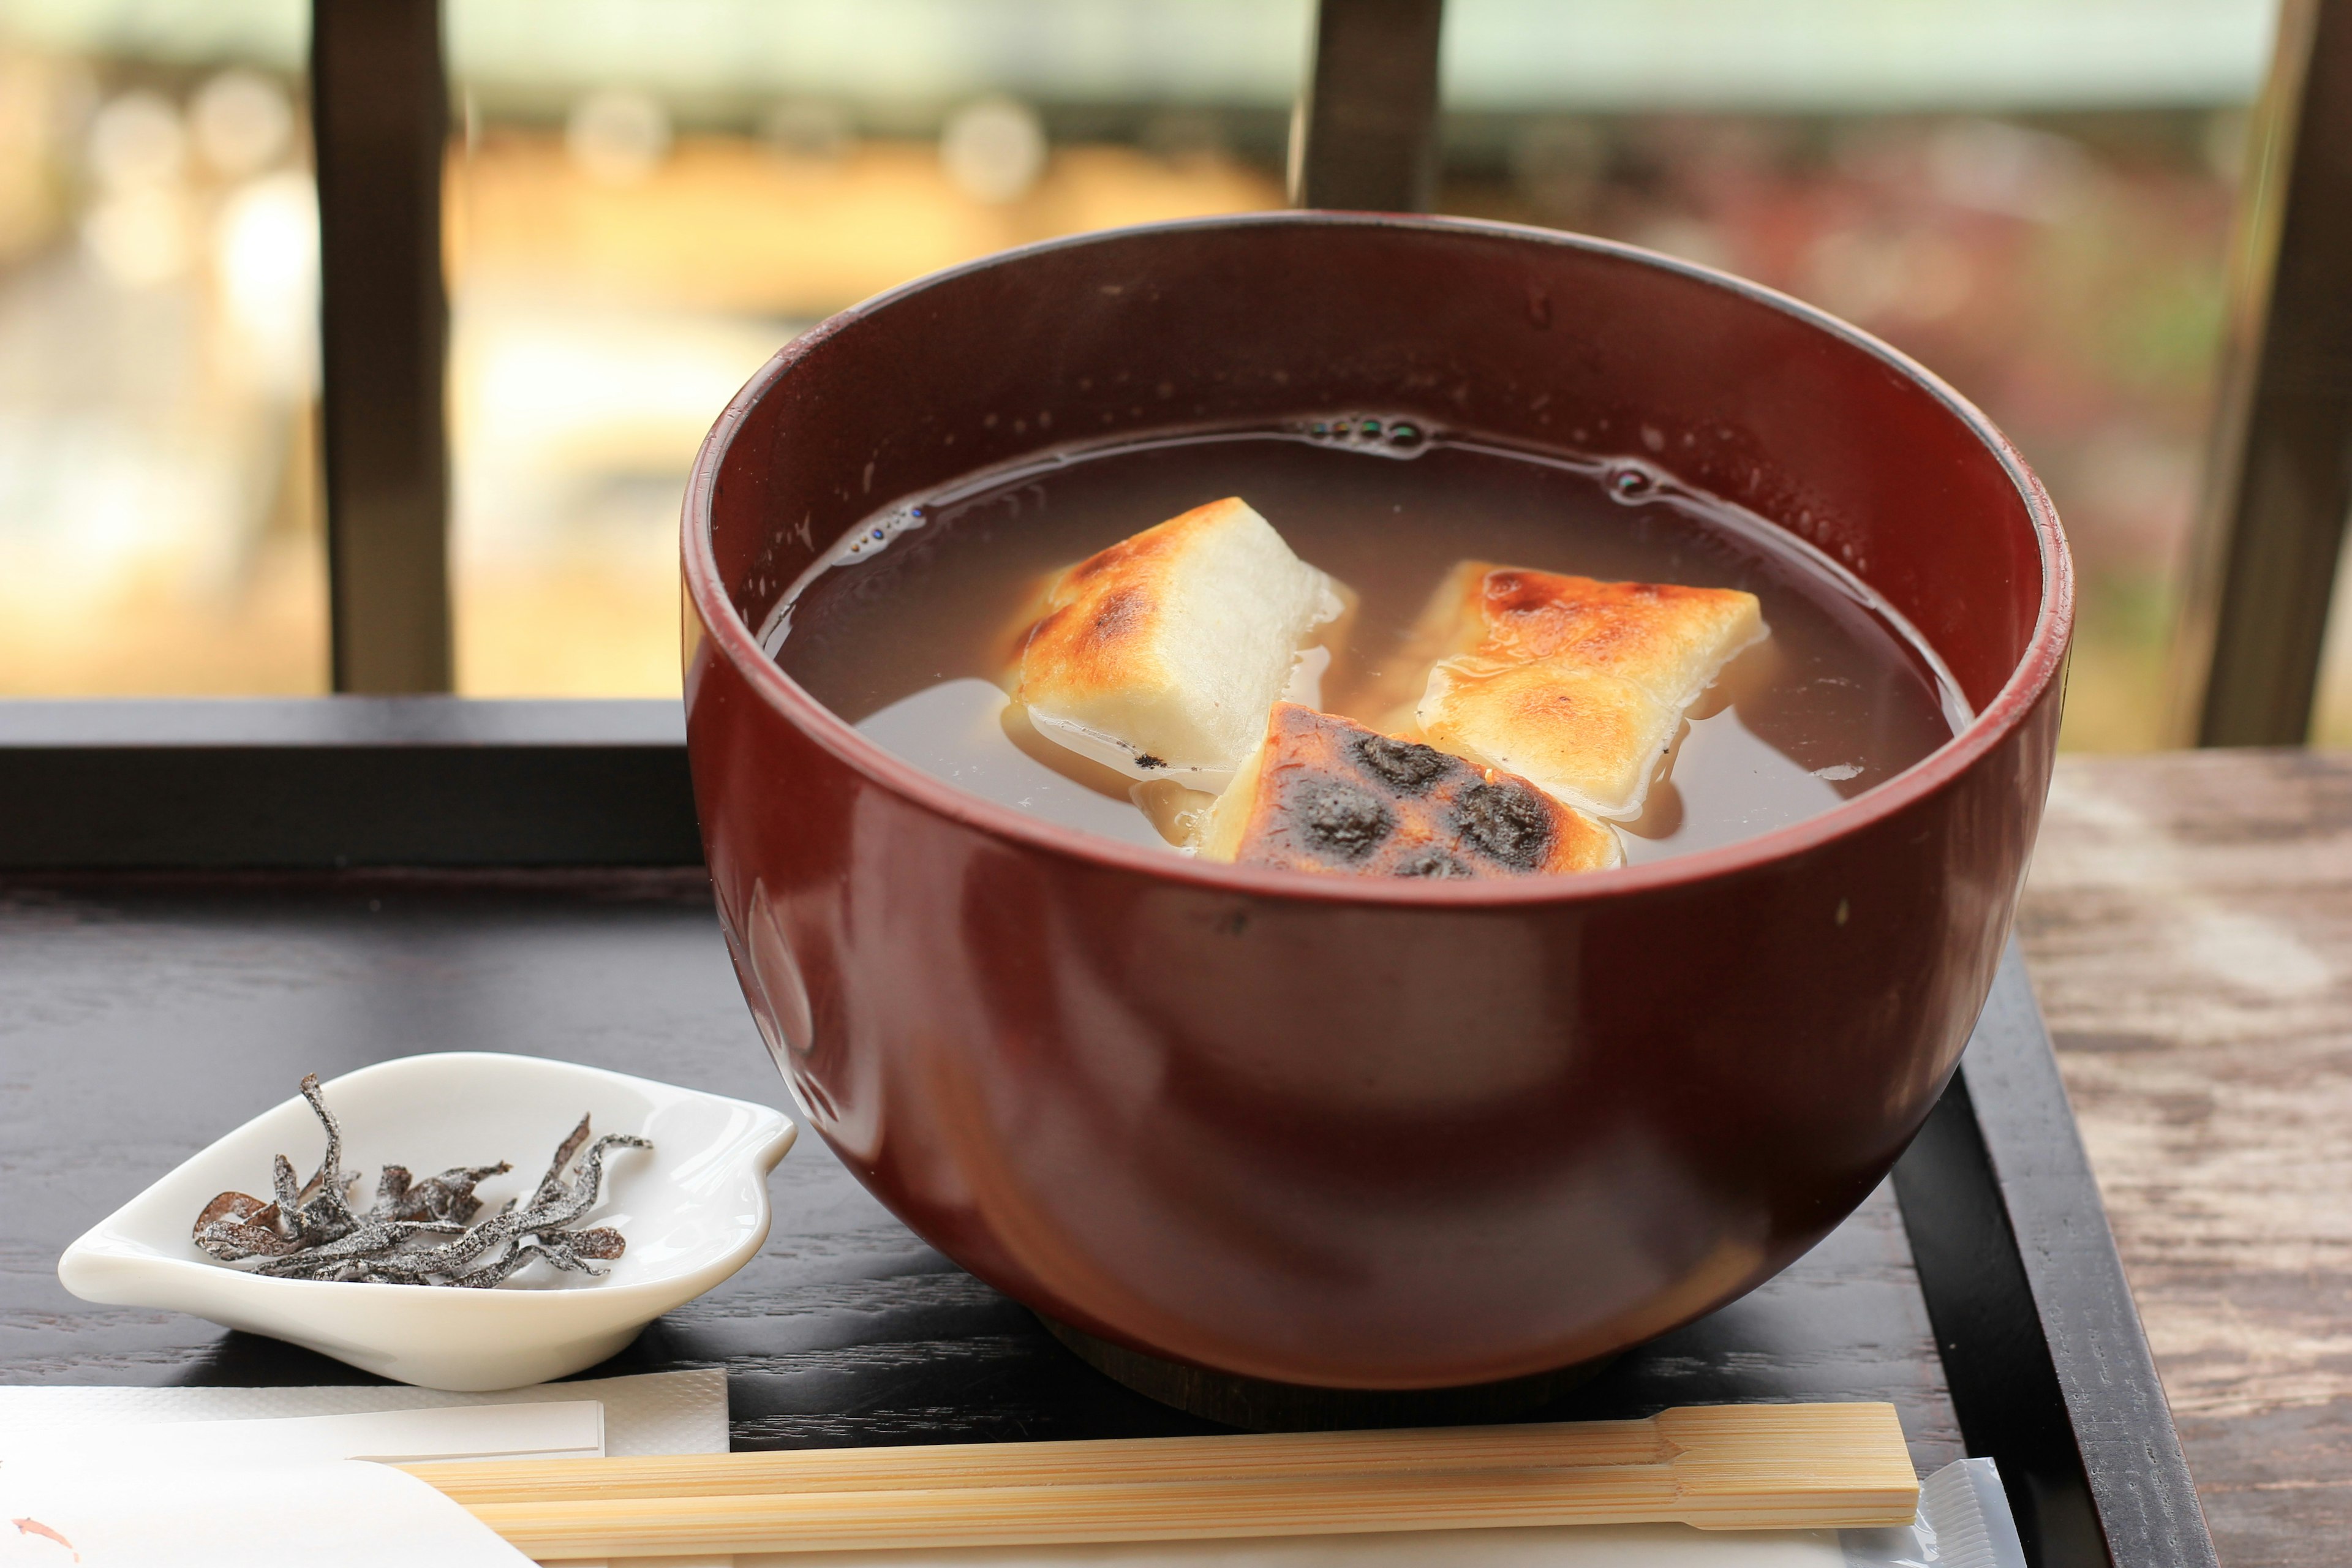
1326, 794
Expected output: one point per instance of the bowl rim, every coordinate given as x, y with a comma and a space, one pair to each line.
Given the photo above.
2037, 666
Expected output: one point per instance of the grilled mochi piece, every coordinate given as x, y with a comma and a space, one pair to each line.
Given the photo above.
1323, 793
1160, 655
1576, 684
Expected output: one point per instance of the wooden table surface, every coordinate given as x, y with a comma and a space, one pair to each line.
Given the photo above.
2189, 926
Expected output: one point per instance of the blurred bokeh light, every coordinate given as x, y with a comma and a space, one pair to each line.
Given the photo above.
646, 198
159, 519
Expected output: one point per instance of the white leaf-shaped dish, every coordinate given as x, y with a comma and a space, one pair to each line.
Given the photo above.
693, 1210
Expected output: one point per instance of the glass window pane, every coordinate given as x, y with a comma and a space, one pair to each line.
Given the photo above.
648, 199
159, 511
2032, 197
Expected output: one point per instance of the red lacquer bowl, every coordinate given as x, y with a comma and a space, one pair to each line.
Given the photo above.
1357, 1134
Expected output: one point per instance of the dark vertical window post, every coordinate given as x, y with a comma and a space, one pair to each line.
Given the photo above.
1365, 138
2281, 476
380, 119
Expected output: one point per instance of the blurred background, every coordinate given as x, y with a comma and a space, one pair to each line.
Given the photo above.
646, 198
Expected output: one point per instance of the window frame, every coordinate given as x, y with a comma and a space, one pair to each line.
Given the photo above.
2251, 633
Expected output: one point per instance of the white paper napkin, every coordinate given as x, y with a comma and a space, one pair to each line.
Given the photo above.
653, 1412
254, 1494
80, 1452
572, 1429
161, 1514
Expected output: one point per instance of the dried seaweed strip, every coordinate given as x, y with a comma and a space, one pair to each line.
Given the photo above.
329, 1176
455, 1257
313, 1232
601, 1242
461, 1258
449, 1196
290, 1196
234, 1242
583, 1197
234, 1207
558, 1247
497, 1271
238, 1225
552, 1183
552, 1248
324, 1211
375, 1236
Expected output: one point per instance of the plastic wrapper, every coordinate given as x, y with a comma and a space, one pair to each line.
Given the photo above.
1964, 1522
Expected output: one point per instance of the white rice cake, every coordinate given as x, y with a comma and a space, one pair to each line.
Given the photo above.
1576, 685
1162, 655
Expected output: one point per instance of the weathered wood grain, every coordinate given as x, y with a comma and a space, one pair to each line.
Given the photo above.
2189, 926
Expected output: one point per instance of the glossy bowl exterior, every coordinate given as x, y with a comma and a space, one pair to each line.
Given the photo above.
1337, 1132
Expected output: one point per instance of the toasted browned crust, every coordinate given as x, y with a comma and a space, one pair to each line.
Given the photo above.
1576, 683
1641, 632
1098, 619
1165, 650
1094, 622
1328, 795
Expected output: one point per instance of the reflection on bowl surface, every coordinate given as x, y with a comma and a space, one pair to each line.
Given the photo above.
1341, 1132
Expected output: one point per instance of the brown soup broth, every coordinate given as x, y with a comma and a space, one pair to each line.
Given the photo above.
909, 632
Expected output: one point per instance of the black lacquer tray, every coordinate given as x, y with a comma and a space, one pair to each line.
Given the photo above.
199, 902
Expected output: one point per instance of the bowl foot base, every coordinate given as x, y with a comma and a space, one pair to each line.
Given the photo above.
1258, 1404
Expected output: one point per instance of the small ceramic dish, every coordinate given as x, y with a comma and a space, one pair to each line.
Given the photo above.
693, 1209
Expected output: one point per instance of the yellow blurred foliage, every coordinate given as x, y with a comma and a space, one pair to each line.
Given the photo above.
726, 223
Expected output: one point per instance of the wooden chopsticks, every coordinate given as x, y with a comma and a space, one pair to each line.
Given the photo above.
1739, 1466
